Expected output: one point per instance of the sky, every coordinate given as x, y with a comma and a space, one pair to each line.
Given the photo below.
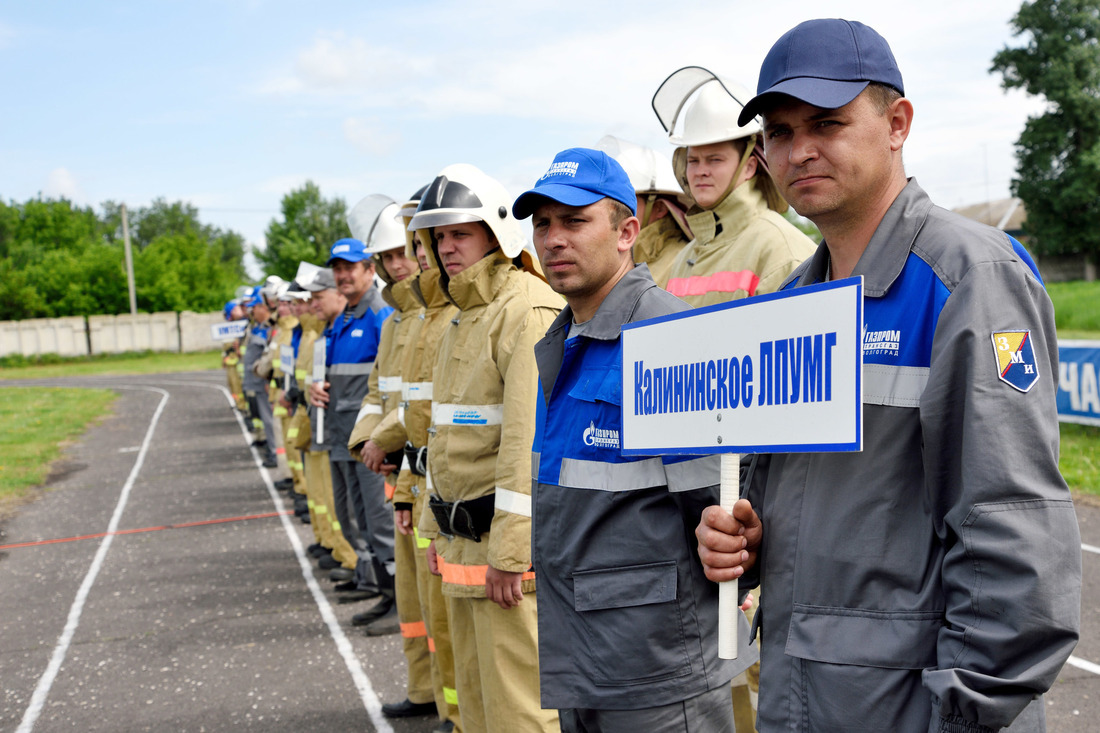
230, 105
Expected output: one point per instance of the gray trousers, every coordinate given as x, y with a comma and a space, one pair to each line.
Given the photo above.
364, 516
261, 409
711, 712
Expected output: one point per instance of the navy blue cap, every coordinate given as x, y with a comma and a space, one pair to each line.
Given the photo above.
579, 177
349, 250
826, 63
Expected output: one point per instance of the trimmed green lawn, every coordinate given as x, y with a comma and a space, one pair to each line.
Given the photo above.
1080, 457
1076, 308
35, 423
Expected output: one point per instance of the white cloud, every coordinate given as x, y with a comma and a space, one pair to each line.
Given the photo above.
336, 64
61, 183
369, 136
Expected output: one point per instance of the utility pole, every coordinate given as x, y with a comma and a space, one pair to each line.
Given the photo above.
129, 261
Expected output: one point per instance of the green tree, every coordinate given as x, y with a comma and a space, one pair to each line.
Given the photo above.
1058, 153
60, 260
310, 224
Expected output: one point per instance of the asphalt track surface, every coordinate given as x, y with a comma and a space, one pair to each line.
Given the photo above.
180, 599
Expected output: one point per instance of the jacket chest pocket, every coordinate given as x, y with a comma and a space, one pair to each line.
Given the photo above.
629, 618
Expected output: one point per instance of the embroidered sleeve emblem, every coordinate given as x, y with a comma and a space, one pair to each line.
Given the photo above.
1015, 359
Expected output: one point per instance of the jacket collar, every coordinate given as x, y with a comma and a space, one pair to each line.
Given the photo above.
735, 212
884, 259
401, 295
607, 325
479, 283
615, 310
428, 289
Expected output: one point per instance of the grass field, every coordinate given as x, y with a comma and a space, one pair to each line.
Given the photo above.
35, 423
1076, 309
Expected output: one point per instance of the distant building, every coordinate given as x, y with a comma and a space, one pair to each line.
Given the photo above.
1009, 215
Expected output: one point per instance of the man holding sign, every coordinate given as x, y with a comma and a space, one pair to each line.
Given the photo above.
626, 616
930, 582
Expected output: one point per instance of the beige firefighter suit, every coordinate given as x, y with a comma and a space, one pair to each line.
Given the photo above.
658, 245
416, 410
283, 337
484, 389
741, 248
379, 421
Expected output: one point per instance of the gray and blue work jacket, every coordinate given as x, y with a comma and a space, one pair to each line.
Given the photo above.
352, 345
932, 581
626, 618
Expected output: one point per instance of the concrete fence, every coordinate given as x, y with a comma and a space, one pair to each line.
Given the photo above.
80, 336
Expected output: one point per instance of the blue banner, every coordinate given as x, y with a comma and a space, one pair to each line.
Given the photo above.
1078, 392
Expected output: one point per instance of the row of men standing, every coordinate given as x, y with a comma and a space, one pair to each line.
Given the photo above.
623, 639
444, 355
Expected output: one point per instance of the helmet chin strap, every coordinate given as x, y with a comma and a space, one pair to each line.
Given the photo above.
740, 167
650, 202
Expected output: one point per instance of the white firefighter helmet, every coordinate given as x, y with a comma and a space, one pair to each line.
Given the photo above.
651, 174
711, 117
273, 288
648, 170
462, 193
698, 107
374, 221
405, 215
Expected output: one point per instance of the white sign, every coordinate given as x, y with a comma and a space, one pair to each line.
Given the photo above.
228, 331
777, 373
319, 358
286, 359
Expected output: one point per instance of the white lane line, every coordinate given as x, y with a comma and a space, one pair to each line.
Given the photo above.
38, 699
1090, 548
370, 700
1082, 664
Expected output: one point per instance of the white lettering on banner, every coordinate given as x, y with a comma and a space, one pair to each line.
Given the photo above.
1067, 382
792, 371
564, 168
1089, 394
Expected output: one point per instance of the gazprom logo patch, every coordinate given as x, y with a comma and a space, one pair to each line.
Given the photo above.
469, 416
563, 168
1015, 359
357, 333
600, 438
341, 248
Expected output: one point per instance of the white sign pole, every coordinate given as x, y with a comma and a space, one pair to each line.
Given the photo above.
319, 377
727, 592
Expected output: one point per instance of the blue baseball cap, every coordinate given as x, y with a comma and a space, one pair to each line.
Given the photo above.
228, 309
826, 63
349, 250
579, 177
254, 298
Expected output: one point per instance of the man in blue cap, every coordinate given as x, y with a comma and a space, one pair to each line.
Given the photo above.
612, 545
932, 581
359, 493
